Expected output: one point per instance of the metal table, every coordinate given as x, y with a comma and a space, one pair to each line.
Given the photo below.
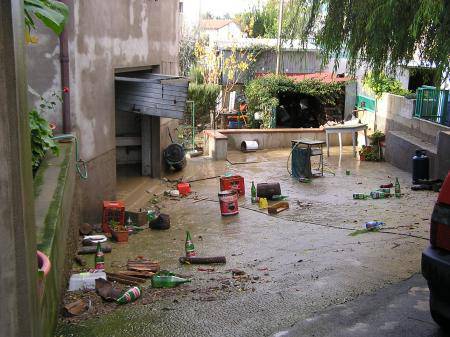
314, 147
342, 128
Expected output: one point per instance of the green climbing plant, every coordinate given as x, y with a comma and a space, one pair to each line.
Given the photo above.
41, 132
384, 83
51, 13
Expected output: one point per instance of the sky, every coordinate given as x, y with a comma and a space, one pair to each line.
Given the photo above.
220, 7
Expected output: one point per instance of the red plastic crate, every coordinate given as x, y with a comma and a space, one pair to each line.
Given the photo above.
184, 188
112, 210
233, 183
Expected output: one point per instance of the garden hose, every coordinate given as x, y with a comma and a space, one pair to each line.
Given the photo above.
80, 163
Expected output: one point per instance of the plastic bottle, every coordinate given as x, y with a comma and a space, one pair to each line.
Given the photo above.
374, 225
130, 295
189, 245
165, 279
398, 192
99, 258
253, 193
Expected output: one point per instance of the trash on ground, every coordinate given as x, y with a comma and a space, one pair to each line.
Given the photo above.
75, 308
360, 196
151, 215
137, 218
228, 202
162, 222
263, 204
140, 274
237, 272
203, 260
279, 197
106, 290
347, 172
85, 229
390, 185
268, 190
143, 265
93, 249
374, 225
172, 193
398, 192
130, 295
304, 180
113, 211
166, 279
278, 207
125, 279
378, 195
254, 197
249, 146
234, 182
99, 258
189, 245
92, 240
184, 188
86, 280
209, 270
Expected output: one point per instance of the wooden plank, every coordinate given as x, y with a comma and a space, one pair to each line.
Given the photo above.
157, 112
141, 99
146, 132
151, 95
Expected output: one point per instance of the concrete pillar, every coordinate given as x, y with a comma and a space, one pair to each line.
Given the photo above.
18, 266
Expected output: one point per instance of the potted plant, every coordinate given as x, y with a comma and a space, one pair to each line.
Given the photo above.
377, 140
119, 231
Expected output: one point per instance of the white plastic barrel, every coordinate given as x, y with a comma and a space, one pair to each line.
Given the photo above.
249, 145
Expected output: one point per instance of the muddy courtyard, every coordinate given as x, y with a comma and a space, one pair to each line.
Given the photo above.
298, 262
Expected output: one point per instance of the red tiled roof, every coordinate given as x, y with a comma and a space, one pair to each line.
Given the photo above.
214, 24
324, 77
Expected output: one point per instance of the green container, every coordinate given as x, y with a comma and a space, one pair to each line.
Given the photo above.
166, 279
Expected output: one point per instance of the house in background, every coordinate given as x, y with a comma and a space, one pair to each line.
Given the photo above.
220, 30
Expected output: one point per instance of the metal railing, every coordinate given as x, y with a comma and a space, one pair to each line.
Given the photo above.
433, 105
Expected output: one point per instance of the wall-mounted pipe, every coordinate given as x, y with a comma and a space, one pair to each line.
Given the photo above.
65, 78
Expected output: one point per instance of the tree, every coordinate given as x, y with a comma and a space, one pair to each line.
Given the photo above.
262, 21
382, 34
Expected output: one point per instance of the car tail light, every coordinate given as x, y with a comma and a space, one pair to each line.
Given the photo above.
440, 220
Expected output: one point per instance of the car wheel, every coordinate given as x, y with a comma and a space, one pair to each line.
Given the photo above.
441, 320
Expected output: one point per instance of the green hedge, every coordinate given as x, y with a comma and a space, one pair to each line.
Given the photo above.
262, 93
205, 97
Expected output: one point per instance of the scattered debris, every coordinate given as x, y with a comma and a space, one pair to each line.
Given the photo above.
209, 270
143, 265
184, 189
93, 249
130, 295
263, 204
268, 190
278, 207
237, 272
202, 260
137, 218
125, 279
140, 274
106, 290
85, 229
85, 280
75, 308
374, 225
162, 222
92, 240
390, 185
166, 279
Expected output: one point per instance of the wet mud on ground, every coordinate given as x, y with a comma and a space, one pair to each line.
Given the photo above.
298, 262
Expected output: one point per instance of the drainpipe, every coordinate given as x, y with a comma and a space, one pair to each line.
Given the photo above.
65, 79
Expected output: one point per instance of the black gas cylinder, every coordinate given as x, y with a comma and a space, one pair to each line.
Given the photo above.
421, 164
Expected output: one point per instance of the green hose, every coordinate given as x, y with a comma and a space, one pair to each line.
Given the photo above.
80, 163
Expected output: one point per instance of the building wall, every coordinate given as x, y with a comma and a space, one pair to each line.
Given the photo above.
105, 36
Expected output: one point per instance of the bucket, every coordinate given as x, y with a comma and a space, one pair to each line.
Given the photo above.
249, 145
228, 202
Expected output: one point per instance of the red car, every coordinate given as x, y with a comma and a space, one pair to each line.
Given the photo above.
436, 258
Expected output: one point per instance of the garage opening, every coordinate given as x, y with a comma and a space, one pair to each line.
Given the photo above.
142, 99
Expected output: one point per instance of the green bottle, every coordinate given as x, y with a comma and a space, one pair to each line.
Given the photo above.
189, 245
165, 279
398, 192
99, 258
130, 295
253, 193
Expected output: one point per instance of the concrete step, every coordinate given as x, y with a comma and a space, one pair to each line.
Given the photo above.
401, 147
